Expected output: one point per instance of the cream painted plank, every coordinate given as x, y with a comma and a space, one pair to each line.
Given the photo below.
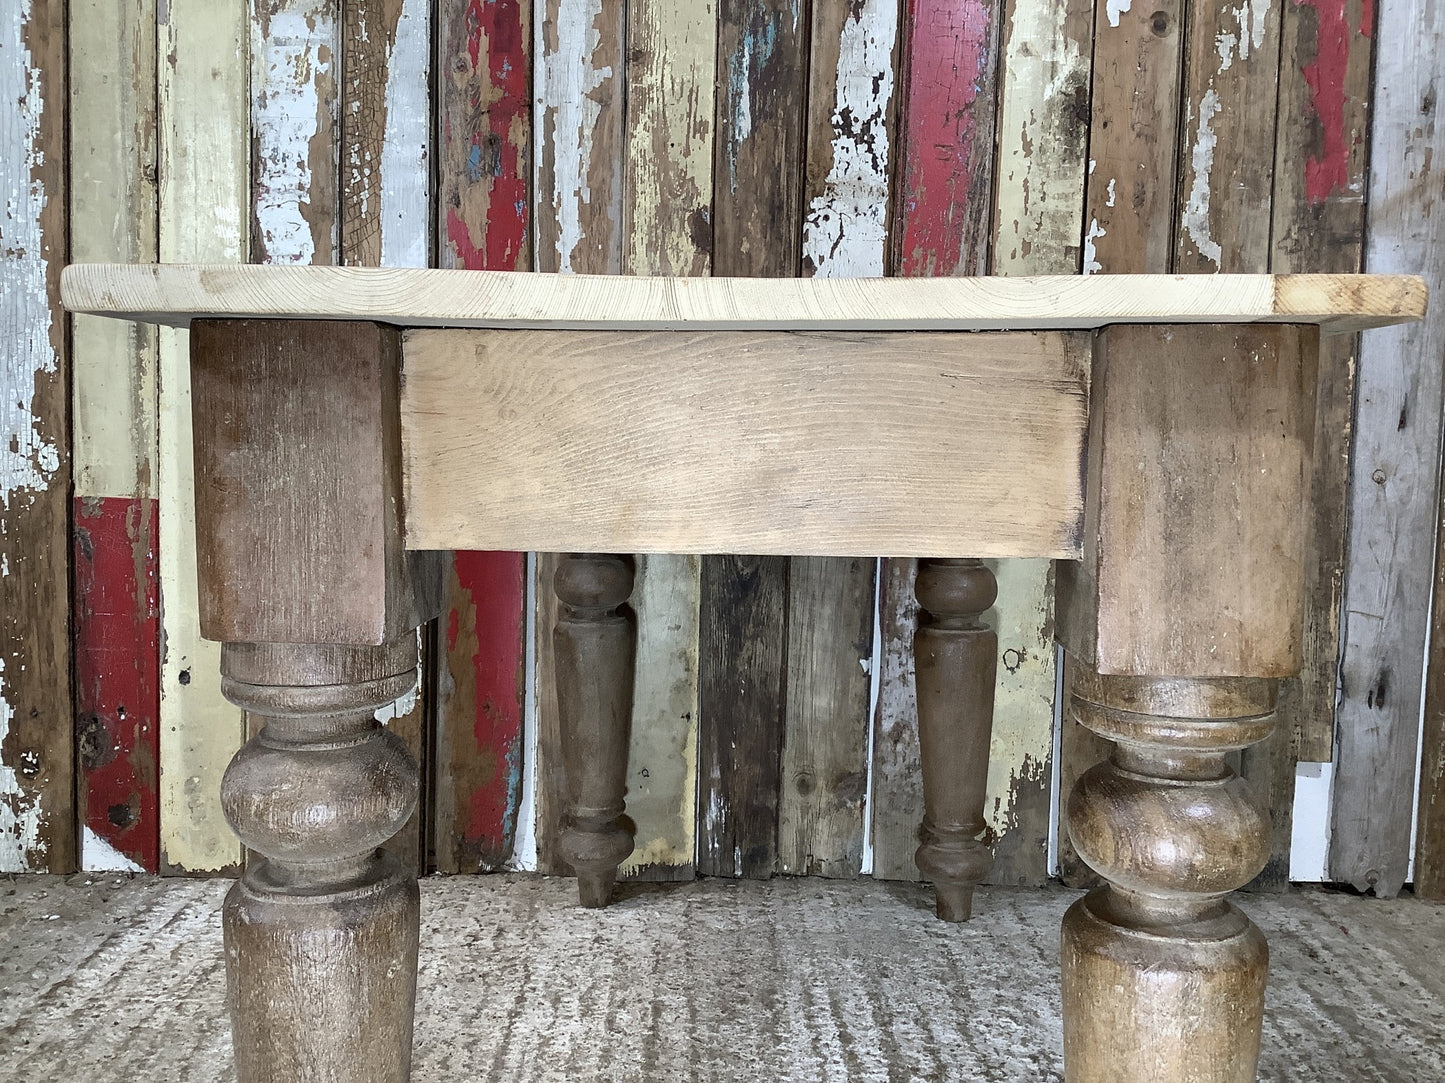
667, 199
815, 445
113, 217
1394, 472
672, 52
1038, 222
204, 137
455, 298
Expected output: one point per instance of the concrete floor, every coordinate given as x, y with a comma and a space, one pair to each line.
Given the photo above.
112, 978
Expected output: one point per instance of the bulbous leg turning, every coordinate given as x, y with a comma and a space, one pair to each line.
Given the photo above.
321, 929
594, 643
955, 662
1163, 978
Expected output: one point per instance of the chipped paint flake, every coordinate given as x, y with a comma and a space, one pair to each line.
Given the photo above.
29, 458
844, 230
1195, 218
1091, 254
1116, 8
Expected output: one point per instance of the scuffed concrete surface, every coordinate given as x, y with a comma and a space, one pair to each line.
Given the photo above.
116, 979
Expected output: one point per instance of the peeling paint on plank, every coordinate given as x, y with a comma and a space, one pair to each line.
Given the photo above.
485, 135
295, 47
845, 225
947, 137
580, 81
36, 832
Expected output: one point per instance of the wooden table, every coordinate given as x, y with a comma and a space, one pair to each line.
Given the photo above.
1151, 433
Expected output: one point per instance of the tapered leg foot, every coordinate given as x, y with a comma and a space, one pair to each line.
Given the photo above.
321, 930
955, 662
1163, 978
594, 643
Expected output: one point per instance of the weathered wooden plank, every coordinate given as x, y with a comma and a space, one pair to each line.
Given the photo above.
581, 78
1231, 80
1133, 134
202, 117
825, 733
851, 132
484, 220
1318, 224
744, 610
1042, 136
1038, 210
852, 129
385, 153
757, 156
113, 435
37, 768
941, 226
1394, 475
579, 52
949, 101
667, 198
485, 134
383, 213
757, 205
671, 53
479, 721
295, 103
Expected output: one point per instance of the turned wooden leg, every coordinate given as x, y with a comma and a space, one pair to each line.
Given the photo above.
321, 931
955, 659
1163, 978
594, 642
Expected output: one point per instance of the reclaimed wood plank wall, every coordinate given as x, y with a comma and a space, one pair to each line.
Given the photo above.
774, 728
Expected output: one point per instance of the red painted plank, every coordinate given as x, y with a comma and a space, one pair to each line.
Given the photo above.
485, 111
948, 120
117, 671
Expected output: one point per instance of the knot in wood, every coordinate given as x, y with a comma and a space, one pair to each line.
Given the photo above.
593, 581
955, 590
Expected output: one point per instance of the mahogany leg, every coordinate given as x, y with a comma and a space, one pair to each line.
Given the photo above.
955, 659
321, 930
1163, 978
594, 643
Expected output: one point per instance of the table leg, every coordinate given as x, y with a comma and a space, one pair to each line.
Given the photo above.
321, 929
955, 660
1163, 978
594, 643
